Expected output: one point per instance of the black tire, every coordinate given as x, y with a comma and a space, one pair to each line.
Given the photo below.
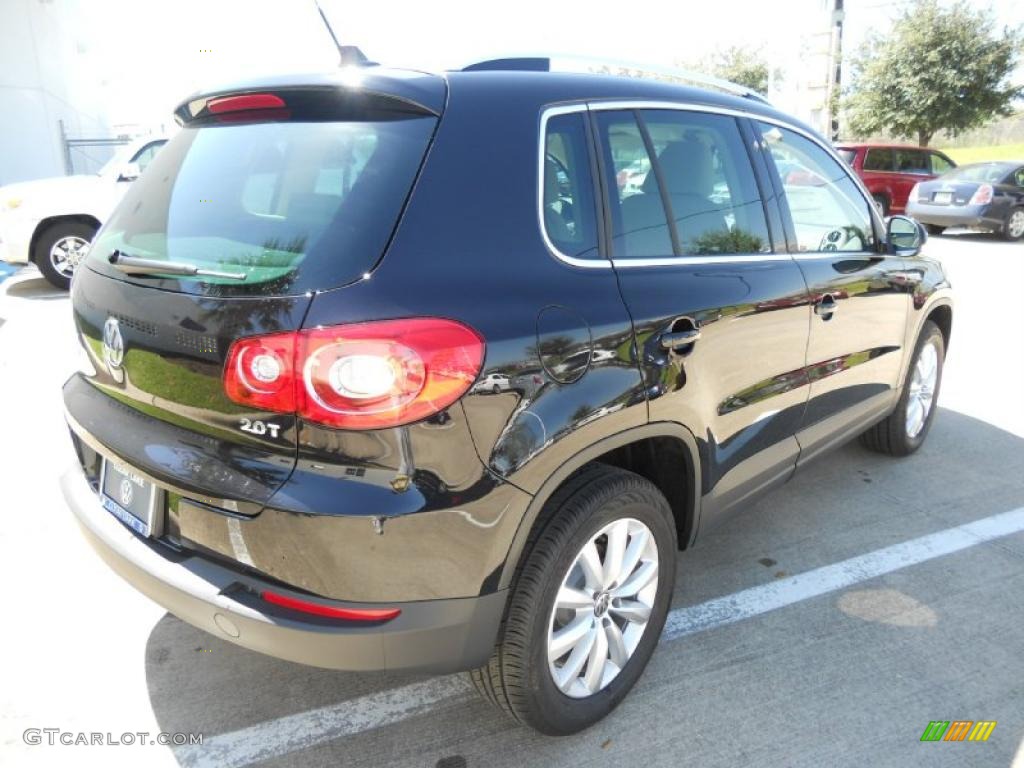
1015, 213
50, 237
882, 202
934, 230
517, 679
890, 436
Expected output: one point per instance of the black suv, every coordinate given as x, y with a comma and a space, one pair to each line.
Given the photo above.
394, 370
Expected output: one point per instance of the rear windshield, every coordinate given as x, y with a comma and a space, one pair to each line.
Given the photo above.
293, 206
988, 172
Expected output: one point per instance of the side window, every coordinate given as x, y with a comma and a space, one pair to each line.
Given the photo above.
878, 160
911, 161
146, 154
1018, 177
699, 188
828, 210
639, 224
940, 164
712, 193
568, 204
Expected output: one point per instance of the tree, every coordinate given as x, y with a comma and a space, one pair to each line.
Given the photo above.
741, 65
939, 69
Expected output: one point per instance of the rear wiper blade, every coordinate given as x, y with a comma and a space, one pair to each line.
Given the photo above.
135, 265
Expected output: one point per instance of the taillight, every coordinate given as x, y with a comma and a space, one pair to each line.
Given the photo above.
982, 195
362, 376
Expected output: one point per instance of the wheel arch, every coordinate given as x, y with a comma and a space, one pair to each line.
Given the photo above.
49, 221
650, 450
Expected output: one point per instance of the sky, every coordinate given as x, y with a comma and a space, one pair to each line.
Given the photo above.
150, 55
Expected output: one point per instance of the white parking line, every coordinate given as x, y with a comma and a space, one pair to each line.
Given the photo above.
308, 729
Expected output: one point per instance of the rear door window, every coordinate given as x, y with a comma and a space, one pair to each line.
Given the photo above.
878, 160
912, 161
289, 205
681, 185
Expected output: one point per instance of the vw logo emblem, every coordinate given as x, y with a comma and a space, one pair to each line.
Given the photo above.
113, 344
127, 492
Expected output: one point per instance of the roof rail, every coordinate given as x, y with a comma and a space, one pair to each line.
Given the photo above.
613, 67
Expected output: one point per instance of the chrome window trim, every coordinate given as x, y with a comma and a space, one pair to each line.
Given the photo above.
619, 104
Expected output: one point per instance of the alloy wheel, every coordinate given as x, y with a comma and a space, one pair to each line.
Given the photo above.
1015, 226
66, 254
922, 389
602, 607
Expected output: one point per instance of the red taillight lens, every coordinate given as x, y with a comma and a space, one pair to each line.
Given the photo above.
260, 372
318, 609
244, 102
982, 195
363, 376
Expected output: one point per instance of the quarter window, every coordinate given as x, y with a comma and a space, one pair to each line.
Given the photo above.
682, 176
569, 207
828, 210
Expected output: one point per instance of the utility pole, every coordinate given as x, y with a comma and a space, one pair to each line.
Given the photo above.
835, 69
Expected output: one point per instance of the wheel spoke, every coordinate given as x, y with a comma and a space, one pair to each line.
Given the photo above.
568, 636
590, 562
569, 671
637, 545
614, 551
640, 579
596, 662
631, 610
573, 599
616, 643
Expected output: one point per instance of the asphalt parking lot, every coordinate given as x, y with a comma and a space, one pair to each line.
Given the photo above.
825, 627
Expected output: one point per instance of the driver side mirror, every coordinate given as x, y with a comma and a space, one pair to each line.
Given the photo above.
129, 172
905, 236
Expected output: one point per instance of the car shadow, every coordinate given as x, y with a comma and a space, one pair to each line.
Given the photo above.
29, 284
968, 469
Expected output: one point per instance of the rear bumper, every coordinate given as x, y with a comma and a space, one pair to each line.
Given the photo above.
432, 635
972, 217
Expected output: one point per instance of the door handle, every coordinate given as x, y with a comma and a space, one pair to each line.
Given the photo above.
676, 339
826, 306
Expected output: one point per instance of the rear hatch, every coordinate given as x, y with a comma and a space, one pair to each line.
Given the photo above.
268, 195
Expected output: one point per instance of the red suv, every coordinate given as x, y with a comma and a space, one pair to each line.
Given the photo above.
891, 171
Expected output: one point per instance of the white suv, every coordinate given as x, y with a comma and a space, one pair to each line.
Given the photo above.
51, 221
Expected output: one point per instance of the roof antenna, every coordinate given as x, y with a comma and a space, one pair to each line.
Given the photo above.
350, 55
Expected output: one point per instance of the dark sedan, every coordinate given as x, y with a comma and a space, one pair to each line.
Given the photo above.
988, 197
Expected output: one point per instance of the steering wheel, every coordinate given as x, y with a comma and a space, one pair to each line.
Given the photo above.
837, 239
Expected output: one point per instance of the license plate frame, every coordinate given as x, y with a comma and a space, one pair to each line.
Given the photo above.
943, 198
141, 508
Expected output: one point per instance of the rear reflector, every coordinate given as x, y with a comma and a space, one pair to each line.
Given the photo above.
317, 609
245, 101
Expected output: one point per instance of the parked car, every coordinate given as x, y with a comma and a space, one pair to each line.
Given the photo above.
276, 424
891, 171
494, 383
50, 222
988, 197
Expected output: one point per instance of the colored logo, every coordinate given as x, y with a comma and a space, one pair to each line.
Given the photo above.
958, 730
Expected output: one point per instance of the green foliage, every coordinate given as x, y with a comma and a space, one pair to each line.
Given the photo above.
938, 69
741, 65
